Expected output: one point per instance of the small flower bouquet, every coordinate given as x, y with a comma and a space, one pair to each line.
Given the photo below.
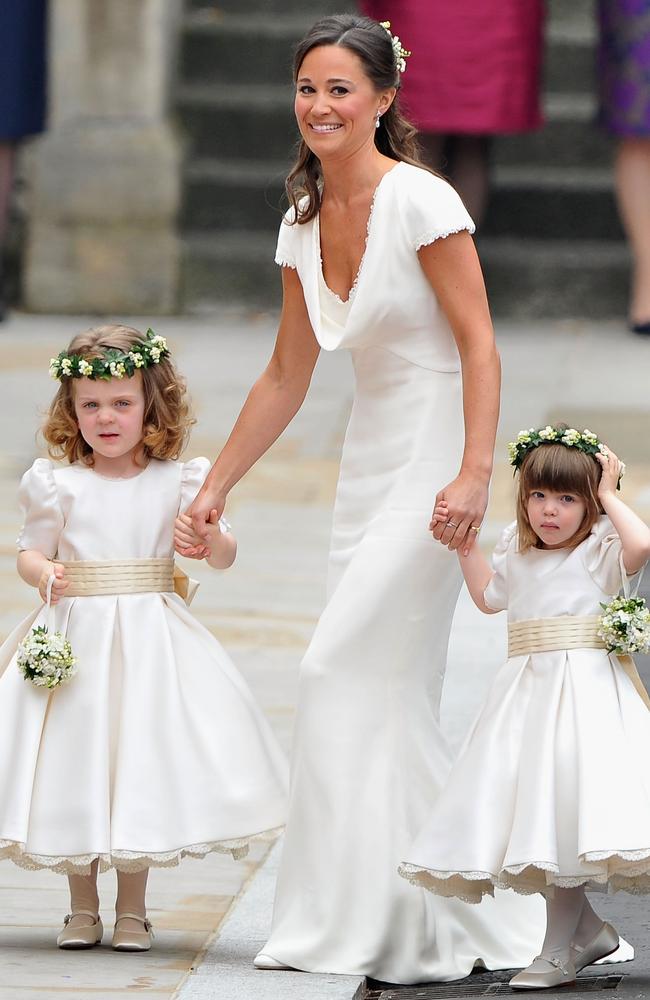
45, 658
624, 625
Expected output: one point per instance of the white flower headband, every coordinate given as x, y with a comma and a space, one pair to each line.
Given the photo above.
112, 363
400, 53
585, 441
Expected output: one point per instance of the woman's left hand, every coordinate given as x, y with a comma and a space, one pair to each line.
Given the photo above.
459, 511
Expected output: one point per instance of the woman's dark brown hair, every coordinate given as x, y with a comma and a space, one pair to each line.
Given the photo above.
395, 137
561, 469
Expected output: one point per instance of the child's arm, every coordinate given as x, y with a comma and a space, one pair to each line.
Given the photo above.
475, 567
221, 547
633, 532
36, 569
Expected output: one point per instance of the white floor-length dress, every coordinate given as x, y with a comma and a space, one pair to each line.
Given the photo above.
155, 749
369, 756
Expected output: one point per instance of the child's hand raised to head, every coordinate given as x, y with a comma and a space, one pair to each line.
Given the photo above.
612, 470
186, 541
59, 586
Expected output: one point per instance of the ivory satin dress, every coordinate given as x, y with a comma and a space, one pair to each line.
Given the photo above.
369, 756
524, 806
154, 749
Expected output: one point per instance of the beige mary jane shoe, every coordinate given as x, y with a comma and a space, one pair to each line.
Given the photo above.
81, 935
544, 974
129, 940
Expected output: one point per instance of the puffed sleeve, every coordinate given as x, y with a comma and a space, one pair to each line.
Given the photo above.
431, 209
193, 475
496, 592
43, 517
604, 559
285, 254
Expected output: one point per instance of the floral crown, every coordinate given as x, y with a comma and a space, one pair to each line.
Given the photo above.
585, 441
112, 363
400, 53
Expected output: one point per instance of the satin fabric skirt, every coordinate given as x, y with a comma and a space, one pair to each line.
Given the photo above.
525, 806
154, 750
369, 758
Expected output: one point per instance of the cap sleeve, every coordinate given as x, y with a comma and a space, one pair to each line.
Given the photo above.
431, 209
285, 253
496, 592
604, 559
43, 517
193, 476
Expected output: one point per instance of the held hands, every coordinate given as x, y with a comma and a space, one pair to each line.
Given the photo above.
458, 513
186, 541
59, 586
612, 470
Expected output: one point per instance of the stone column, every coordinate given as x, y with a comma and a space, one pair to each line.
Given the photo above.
105, 179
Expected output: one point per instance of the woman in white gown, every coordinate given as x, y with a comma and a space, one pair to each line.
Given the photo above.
380, 261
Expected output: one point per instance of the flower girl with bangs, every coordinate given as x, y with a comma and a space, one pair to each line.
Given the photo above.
565, 717
130, 740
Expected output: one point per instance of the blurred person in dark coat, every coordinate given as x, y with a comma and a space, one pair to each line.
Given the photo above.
22, 94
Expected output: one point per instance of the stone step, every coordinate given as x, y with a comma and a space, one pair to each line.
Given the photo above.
555, 278
554, 203
233, 268
570, 137
546, 278
231, 195
532, 203
570, 59
214, 47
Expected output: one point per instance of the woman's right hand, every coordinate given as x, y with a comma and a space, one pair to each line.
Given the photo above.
207, 507
59, 586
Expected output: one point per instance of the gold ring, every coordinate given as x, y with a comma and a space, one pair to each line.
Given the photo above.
474, 527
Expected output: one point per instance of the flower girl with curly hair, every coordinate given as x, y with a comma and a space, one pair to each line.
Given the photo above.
565, 718
153, 749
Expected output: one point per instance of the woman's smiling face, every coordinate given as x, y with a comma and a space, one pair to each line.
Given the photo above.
336, 104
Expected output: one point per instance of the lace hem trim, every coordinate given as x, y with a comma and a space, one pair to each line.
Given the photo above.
427, 238
283, 262
129, 861
626, 871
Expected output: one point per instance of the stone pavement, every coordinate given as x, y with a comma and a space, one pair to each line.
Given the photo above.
264, 609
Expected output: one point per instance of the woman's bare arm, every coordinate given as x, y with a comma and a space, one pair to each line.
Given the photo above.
270, 406
454, 272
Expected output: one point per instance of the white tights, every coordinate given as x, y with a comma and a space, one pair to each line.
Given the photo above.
569, 917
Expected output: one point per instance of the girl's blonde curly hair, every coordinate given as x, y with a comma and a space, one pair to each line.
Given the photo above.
167, 415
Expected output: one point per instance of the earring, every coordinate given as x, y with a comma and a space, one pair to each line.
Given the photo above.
378, 120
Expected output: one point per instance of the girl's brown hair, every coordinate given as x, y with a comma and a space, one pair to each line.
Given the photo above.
561, 469
395, 137
167, 416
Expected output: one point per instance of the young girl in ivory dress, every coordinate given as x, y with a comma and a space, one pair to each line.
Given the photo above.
564, 718
154, 749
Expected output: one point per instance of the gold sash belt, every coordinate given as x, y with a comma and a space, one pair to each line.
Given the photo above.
539, 635
127, 576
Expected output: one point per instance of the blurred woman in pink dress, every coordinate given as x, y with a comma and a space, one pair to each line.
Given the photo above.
474, 73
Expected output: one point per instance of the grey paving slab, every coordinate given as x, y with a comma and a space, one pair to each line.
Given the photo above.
227, 961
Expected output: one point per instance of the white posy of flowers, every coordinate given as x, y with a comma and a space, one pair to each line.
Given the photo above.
624, 625
45, 658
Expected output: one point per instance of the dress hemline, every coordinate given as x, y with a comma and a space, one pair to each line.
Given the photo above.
623, 871
129, 861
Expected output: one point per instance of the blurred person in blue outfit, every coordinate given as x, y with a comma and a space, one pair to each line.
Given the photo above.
22, 95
